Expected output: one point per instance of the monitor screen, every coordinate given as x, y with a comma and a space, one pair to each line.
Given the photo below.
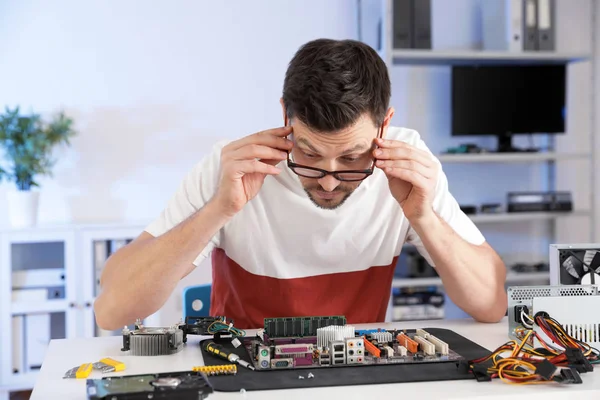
506, 100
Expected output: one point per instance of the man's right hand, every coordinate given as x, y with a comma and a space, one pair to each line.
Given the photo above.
246, 162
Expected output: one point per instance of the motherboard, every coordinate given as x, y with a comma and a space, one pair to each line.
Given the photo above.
325, 342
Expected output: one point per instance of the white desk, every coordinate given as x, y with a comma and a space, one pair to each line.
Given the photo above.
65, 354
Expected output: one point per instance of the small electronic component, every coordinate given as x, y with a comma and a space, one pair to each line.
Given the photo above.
370, 347
332, 333
149, 341
184, 385
219, 351
109, 365
287, 349
280, 363
407, 342
389, 352
80, 372
200, 325
355, 359
362, 332
227, 369
324, 358
427, 347
299, 326
382, 337
205, 326
338, 351
355, 347
264, 357
546, 370
402, 351
440, 346
303, 360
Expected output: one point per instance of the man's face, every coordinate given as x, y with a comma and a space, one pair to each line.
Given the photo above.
348, 149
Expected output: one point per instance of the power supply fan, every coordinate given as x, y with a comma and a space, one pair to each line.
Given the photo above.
580, 267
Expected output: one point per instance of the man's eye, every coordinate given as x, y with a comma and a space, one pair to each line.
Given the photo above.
351, 159
309, 155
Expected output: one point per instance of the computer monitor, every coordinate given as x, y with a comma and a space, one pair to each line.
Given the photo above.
507, 100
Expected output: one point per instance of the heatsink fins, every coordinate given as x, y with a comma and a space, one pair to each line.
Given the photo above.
382, 337
153, 341
333, 333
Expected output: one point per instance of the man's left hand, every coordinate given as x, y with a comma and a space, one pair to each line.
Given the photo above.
412, 174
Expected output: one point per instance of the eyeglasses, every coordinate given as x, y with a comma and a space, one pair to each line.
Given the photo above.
345, 175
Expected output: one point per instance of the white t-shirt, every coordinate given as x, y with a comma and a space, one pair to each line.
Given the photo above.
282, 256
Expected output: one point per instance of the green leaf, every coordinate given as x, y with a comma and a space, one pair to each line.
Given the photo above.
29, 143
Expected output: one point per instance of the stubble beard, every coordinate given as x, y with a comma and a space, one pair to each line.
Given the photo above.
329, 204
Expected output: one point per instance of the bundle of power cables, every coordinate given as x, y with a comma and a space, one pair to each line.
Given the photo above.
558, 359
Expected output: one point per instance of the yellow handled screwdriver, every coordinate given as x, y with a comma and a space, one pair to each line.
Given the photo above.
218, 350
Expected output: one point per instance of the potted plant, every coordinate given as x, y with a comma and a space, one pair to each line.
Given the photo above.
28, 143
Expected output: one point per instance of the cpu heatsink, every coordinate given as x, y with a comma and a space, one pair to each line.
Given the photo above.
151, 341
333, 333
382, 337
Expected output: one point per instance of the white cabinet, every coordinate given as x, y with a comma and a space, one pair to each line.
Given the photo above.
48, 284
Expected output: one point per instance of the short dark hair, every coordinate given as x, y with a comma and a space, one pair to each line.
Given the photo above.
329, 84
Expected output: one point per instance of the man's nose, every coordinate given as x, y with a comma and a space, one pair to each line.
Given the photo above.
328, 183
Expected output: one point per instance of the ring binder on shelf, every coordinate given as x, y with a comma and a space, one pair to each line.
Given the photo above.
546, 24
503, 25
530, 41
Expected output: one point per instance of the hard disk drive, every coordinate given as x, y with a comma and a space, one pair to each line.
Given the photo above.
184, 385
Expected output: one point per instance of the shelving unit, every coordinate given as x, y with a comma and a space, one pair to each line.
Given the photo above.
511, 157
375, 19
482, 57
67, 317
511, 278
49, 306
525, 216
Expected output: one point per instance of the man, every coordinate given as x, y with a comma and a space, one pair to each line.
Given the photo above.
309, 218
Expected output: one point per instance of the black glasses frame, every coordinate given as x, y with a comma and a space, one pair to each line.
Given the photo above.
336, 174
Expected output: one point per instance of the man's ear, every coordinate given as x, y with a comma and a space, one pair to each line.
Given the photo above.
283, 109
387, 120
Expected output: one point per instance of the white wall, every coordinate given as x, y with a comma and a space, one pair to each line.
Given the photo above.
153, 84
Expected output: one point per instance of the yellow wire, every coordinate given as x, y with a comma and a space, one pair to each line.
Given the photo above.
502, 373
521, 353
518, 349
570, 340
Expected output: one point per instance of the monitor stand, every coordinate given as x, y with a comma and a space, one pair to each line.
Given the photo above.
505, 145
